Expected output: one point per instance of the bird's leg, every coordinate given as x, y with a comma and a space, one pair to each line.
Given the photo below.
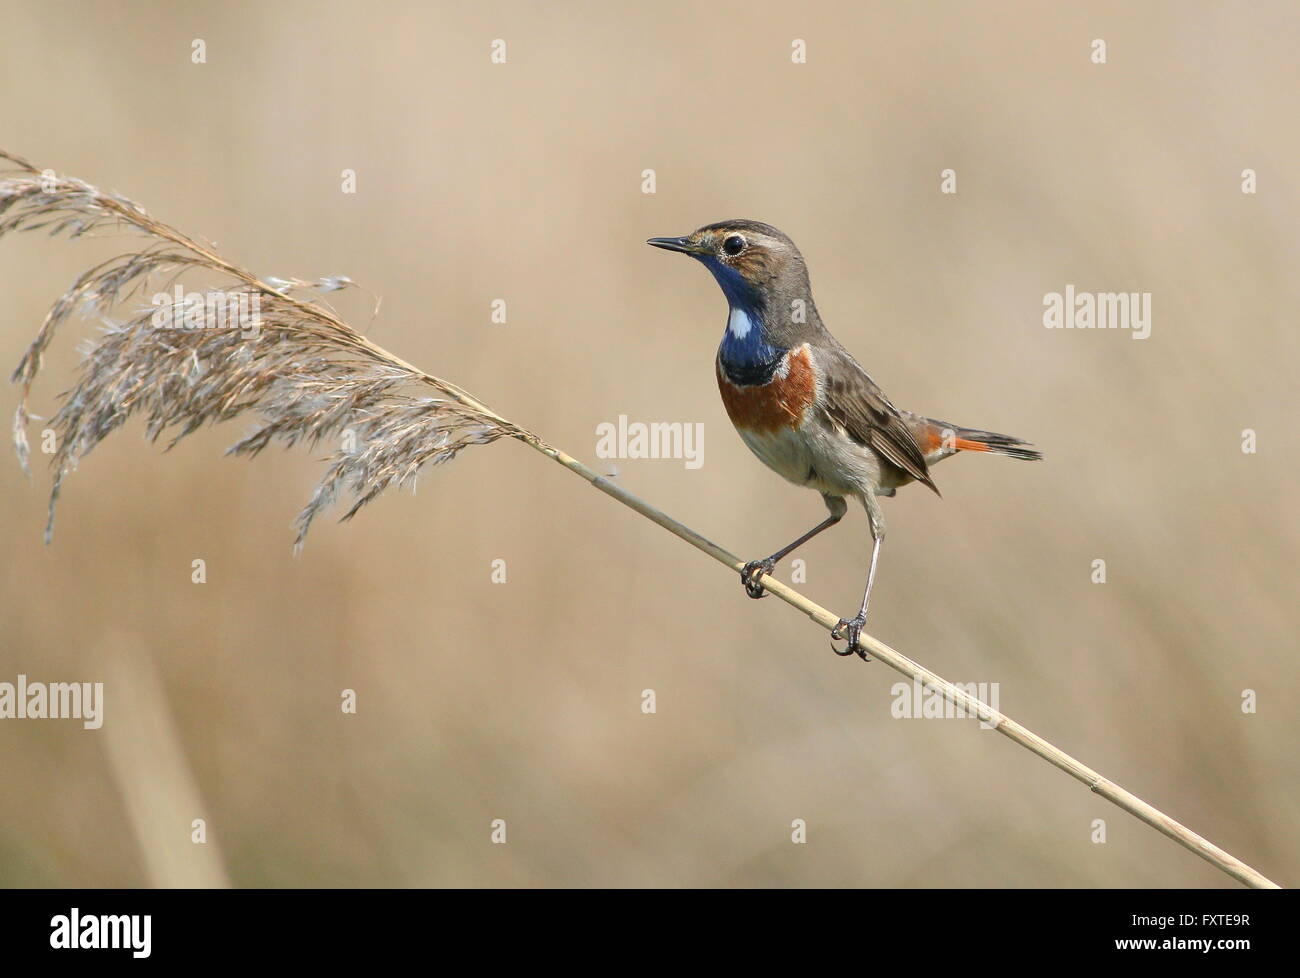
753, 572
755, 569
851, 628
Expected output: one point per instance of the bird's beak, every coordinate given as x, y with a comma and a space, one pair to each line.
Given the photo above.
674, 244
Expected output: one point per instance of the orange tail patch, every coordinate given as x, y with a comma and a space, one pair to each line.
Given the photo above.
934, 439
973, 440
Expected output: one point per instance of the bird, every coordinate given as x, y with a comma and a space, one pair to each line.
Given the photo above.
804, 406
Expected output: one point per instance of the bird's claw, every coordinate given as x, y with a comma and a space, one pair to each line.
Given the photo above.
851, 629
752, 573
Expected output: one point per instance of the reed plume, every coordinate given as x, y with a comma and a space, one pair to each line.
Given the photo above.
299, 371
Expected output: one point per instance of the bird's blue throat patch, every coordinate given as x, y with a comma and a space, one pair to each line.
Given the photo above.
746, 356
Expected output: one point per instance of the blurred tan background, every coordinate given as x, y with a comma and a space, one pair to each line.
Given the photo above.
521, 701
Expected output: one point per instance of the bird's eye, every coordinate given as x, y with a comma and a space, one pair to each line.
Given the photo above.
734, 245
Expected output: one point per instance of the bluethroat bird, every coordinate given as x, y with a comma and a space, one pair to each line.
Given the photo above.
801, 402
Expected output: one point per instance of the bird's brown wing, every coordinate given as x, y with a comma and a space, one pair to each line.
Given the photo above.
854, 402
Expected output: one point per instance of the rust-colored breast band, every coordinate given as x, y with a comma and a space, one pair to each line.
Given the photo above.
780, 403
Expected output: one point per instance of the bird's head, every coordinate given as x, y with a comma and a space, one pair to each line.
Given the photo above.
751, 261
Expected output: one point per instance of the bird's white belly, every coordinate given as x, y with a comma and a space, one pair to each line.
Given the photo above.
816, 457
783, 451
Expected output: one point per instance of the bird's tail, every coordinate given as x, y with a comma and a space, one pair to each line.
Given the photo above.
974, 440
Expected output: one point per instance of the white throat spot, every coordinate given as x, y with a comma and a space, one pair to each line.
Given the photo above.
739, 324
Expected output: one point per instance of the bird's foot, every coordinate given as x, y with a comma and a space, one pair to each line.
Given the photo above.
850, 628
751, 574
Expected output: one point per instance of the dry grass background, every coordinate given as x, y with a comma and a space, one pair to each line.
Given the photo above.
521, 701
